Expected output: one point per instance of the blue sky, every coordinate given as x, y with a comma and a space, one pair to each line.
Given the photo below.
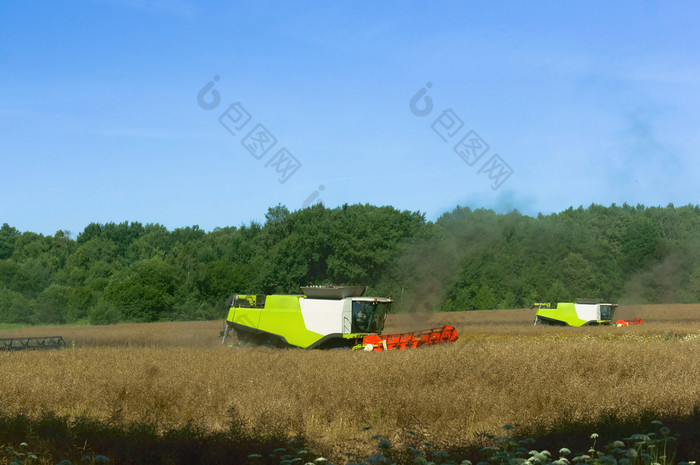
104, 114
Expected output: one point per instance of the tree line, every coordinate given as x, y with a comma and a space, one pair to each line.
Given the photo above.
465, 260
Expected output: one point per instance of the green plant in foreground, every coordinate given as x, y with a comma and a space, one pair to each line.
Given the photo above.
87, 460
19, 456
22, 456
655, 448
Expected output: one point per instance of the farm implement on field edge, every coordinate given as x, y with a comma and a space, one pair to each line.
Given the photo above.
410, 340
31, 343
324, 317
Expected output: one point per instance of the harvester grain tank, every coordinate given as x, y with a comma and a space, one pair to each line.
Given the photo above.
325, 317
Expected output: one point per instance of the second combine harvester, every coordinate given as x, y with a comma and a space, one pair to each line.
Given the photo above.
324, 317
585, 312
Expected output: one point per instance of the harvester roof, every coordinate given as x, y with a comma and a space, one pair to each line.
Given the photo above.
333, 292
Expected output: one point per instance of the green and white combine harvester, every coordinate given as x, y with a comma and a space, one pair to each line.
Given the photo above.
584, 312
324, 317
581, 313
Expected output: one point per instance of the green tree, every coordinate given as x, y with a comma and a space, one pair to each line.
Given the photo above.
15, 307
53, 305
467, 259
639, 243
576, 274
145, 292
8, 237
485, 298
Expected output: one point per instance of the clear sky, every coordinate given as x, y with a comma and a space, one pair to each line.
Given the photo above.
209, 112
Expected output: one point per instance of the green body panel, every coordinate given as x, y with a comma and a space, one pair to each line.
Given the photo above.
281, 316
565, 312
245, 316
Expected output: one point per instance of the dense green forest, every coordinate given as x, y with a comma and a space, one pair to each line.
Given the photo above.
467, 259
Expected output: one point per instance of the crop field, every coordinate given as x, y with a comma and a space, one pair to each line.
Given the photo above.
549, 383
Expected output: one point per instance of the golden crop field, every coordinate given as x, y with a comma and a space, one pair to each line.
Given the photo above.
501, 371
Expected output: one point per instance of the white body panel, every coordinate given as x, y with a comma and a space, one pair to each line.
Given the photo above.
588, 312
322, 316
347, 316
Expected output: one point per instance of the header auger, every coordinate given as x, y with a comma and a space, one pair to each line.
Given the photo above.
325, 317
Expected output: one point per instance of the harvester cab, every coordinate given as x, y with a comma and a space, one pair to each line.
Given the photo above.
582, 313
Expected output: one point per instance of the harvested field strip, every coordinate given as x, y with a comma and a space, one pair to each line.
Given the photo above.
171, 334
449, 394
660, 321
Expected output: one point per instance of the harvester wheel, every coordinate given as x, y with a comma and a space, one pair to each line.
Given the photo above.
245, 339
